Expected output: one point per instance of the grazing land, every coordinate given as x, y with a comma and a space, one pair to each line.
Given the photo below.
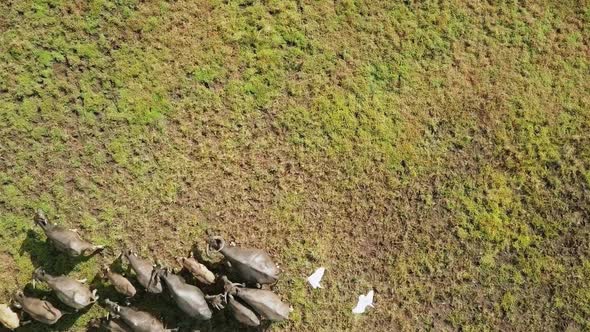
437, 152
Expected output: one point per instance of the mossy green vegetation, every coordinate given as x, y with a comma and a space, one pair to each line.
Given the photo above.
438, 152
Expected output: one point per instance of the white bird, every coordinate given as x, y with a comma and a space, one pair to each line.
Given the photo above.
364, 302
316, 277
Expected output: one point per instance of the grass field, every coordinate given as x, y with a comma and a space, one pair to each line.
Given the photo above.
437, 152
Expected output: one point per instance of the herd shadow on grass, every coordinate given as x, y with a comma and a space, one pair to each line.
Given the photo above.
44, 255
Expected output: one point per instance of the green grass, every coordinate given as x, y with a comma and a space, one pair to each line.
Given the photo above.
438, 152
